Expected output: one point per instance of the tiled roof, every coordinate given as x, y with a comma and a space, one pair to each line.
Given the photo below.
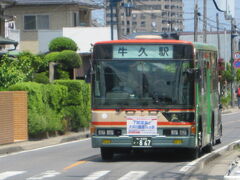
90, 3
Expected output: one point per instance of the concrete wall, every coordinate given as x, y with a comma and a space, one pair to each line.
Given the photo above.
13, 116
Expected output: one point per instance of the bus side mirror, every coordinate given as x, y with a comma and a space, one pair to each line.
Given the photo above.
220, 107
193, 72
197, 74
88, 76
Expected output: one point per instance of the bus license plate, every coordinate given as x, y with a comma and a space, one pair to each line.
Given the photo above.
142, 142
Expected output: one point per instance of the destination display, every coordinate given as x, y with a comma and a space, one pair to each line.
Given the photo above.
142, 51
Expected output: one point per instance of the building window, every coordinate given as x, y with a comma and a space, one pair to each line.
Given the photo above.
143, 24
35, 22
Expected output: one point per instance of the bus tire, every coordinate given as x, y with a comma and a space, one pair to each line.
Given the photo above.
195, 153
212, 140
106, 153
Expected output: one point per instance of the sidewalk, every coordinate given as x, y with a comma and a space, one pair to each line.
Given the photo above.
34, 144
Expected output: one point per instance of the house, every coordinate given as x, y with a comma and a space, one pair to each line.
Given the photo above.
3, 5
32, 16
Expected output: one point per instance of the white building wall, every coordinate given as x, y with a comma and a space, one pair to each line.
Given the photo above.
45, 37
85, 36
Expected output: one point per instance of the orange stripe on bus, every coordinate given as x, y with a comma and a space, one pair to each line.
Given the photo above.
110, 123
161, 110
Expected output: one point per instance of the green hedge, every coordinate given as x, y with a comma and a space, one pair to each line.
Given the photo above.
58, 107
44, 106
77, 106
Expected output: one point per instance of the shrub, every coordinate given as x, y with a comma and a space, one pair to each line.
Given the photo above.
41, 78
44, 106
62, 43
51, 57
69, 59
225, 100
61, 74
76, 110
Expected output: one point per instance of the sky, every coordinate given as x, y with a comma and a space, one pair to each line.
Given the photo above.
189, 14
211, 15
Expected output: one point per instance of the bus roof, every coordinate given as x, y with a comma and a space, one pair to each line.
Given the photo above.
204, 46
196, 45
138, 41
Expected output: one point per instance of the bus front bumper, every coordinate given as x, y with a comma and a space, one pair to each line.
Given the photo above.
156, 142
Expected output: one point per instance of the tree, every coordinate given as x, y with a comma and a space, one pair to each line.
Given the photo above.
19, 69
62, 43
238, 76
227, 74
63, 57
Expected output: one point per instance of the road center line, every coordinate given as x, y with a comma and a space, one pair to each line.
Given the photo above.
74, 165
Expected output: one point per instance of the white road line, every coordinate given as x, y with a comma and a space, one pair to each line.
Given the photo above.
8, 174
46, 147
96, 175
230, 113
47, 174
133, 175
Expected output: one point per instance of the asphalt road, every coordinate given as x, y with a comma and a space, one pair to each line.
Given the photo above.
77, 160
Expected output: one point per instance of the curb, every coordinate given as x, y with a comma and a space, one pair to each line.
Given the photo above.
9, 150
204, 160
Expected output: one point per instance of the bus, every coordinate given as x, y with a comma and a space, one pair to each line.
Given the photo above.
154, 93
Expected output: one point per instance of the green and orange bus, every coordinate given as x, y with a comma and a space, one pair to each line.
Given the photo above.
154, 93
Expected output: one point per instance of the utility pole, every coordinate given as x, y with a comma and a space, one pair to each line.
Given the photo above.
195, 20
204, 21
2, 22
119, 32
218, 35
233, 30
111, 13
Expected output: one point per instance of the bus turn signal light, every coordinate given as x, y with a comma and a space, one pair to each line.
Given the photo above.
193, 130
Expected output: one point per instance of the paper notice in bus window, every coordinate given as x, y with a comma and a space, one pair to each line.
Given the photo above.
142, 51
141, 125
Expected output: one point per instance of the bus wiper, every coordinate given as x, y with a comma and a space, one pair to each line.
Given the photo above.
161, 99
121, 106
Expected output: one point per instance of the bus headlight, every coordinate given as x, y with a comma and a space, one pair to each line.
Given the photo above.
183, 132
110, 132
174, 132
101, 132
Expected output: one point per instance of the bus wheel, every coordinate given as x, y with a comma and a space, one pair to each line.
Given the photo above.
209, 147
106, 153
219, 141
195, 153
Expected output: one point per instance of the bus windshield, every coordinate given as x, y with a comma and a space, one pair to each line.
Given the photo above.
145, 84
